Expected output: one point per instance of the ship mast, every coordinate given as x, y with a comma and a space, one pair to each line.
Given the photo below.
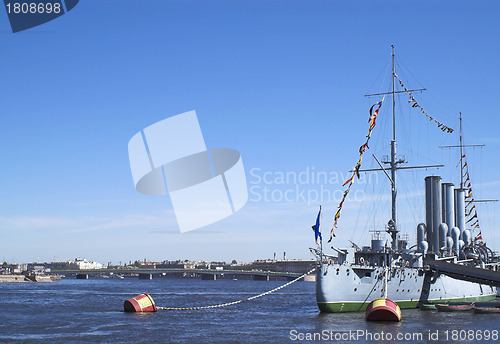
461, 154
392, 227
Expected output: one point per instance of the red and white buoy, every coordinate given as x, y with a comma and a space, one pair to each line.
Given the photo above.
140, 303
383, 309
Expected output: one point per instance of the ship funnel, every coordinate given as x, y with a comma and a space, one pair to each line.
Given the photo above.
467, 237
420, 233
423, 246
448, 206
449, 243
455, 235
460, 209
433, 214
443, 231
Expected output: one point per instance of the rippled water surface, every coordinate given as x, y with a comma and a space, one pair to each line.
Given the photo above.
91, 311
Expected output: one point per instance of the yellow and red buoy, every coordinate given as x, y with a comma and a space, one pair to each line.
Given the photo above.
140, 303
383, 309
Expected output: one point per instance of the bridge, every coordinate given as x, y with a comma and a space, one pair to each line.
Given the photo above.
206, 274
464, 272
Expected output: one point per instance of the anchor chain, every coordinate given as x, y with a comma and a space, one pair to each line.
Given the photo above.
235, 302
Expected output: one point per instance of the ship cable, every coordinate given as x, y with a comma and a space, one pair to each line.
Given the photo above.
235, 302
373, 288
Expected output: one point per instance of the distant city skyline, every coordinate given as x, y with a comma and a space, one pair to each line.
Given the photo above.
280, 82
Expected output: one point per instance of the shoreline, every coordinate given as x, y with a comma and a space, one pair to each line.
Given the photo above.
12, 279
29, 279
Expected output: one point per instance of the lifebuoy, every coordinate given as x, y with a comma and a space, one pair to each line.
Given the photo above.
361, 260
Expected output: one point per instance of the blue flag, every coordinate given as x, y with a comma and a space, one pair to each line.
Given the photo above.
317, 229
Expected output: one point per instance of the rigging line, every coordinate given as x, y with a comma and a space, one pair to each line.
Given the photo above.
368, 178
372, 206
408, 138
376, 211
369, 294
481, 172
361, 206
406, 127
494, 222
235, 302
379, 206
407, 70
358, 217
447, 113
419, 106
364, 231
410, 198
382, 72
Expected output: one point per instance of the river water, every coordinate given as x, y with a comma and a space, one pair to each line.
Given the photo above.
91, 311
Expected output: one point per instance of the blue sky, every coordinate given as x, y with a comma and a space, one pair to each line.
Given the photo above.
280, 81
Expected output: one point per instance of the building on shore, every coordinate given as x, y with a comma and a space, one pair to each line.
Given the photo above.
77, 264
290, 265
285, 265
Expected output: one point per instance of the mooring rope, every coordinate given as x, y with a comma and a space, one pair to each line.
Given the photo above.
235, 302
368, 294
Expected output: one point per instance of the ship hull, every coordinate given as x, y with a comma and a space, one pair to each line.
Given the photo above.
350, 288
